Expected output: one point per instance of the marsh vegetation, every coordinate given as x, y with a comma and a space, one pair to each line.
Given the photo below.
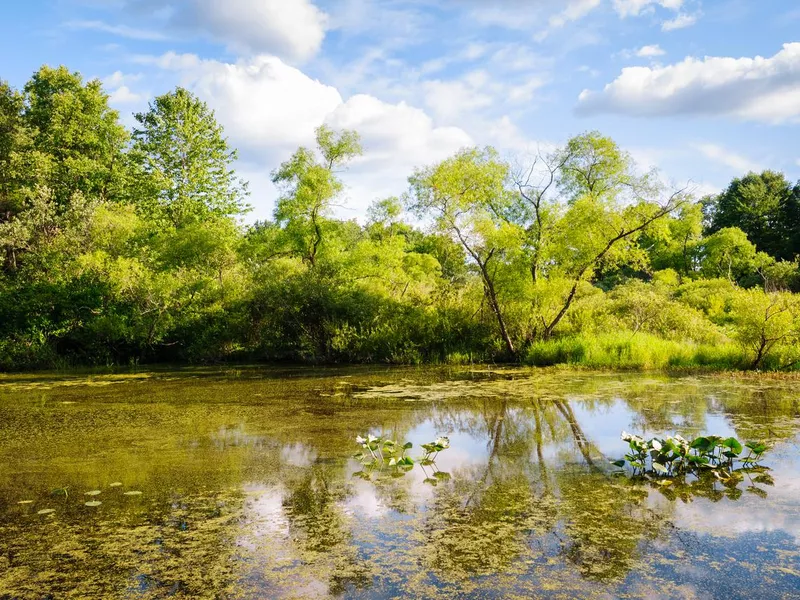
133, 246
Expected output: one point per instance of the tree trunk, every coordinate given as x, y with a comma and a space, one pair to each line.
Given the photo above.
491, 295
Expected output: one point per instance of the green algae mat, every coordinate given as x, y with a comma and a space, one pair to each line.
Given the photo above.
242, 483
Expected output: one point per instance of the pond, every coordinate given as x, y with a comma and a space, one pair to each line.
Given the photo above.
241, 483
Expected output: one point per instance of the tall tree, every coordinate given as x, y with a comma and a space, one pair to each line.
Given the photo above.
180, 145
309, 185
79, 134
467, 197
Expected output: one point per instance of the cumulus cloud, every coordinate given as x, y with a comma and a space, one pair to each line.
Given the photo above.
758, 89
269, 108
650, 51
293, 30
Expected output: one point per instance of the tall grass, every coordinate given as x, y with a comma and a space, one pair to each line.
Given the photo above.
625, 350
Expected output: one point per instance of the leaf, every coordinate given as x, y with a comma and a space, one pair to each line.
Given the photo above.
407, 445
25, 502
133, 493
733, 444
93, 493
659, 468
93, 503
46, 511
619, 463
115, 484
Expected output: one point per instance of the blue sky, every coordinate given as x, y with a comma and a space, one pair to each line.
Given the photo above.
705, 90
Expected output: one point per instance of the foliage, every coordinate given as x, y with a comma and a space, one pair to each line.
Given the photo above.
127, 247
388, 457
675, 456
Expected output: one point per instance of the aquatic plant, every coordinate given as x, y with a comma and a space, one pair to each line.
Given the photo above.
385, 454
674, 455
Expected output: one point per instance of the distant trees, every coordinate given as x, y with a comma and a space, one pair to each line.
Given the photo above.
766, 207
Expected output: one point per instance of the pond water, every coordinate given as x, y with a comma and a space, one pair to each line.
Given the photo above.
242, 484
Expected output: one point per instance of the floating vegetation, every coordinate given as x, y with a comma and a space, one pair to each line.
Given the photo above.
676, 456
93, 493
25, 502
132, 493
115, 484
46, 511
388, 457
93, 503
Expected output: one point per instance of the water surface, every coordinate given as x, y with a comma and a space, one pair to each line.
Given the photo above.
241, 484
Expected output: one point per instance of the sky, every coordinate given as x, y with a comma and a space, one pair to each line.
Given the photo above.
704, 90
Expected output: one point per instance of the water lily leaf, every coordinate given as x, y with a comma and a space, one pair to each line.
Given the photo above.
46, 511
25, 502
93, 493
115, 484
93, 503
733, 444
133, 493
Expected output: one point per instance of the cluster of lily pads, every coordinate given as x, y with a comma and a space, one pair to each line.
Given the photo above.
674, 455
389, 455
91, 502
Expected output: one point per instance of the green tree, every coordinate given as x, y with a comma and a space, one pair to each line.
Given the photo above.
764, 206
309, 185
467, 197
181, 147
78, 133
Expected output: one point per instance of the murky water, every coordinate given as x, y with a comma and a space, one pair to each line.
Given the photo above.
241, 484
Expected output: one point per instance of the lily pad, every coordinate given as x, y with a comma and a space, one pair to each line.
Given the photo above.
46, 511
93, 503
115, 484
25, 502
133, 493
93, 493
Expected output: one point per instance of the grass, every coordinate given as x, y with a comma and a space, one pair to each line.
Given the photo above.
640, 351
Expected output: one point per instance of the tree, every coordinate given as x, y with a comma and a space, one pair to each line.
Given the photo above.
181, 148
309, 187
78, 133
609, 205
466, 195
765, 207
765, 323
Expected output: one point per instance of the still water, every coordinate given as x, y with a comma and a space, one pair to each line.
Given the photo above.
242, 484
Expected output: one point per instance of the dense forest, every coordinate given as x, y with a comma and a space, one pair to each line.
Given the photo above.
125, 247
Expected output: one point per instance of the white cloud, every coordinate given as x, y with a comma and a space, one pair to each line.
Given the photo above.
680, 22
291, 29
450, 99
650, 51
574, 11
797, 162
759, 89
634, 8
119, 30
725, 157
269, 108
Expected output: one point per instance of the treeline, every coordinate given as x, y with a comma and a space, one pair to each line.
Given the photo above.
121, 247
